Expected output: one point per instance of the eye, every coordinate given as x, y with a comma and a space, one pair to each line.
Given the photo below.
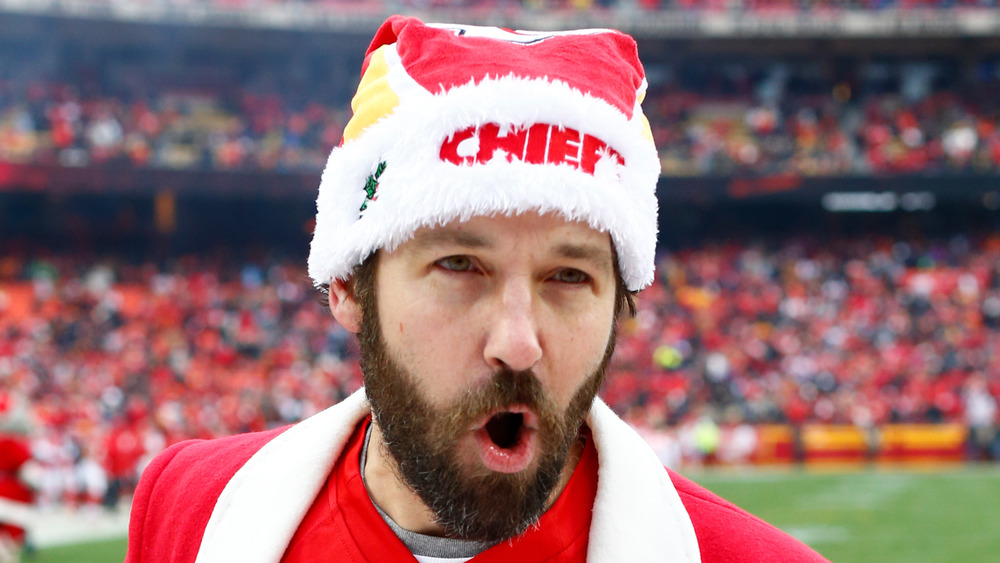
458, 263
571, 276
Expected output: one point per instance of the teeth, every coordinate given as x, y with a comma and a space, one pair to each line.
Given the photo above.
505, 429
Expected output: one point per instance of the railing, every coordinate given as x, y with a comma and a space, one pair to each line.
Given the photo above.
748, 19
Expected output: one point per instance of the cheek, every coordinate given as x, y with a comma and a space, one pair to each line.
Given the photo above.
433, 346
574, 355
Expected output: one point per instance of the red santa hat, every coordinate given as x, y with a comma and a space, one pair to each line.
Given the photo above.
456, 121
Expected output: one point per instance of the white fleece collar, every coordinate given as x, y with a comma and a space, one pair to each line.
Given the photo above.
638, 515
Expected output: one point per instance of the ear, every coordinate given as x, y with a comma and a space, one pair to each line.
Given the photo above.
344, 307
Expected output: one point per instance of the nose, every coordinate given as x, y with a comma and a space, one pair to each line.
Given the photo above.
513, 340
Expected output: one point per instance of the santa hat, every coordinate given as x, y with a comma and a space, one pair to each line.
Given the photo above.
456, 121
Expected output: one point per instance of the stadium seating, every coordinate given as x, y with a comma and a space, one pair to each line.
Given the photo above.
708, 125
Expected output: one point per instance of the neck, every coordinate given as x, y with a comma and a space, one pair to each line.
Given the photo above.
394, 497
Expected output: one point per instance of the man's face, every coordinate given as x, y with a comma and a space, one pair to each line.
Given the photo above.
483, 348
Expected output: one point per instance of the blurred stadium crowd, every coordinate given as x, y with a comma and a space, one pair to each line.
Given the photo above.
578, 5
856, 331
765, 117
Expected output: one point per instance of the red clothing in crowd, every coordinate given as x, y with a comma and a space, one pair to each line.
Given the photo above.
14, 453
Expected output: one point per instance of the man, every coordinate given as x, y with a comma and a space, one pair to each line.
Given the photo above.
482, 226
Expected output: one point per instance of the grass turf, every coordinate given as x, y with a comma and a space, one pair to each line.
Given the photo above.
861, 515
850, 515
105, 551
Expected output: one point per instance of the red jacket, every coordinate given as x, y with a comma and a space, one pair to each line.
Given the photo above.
14, 453
192, 499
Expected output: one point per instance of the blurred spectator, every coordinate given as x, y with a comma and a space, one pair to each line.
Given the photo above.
981, 417
15, 479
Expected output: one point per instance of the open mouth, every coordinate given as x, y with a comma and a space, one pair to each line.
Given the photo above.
507, 440
505, 429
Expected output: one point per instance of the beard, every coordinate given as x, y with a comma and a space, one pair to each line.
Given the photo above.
469, 501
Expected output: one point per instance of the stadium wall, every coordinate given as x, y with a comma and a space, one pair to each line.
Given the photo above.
838, 444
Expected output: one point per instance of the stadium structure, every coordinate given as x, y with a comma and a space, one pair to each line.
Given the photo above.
829, 280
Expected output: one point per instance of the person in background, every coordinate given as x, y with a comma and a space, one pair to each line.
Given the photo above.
18, 476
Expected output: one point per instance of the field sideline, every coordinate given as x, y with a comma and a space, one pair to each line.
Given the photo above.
847, 514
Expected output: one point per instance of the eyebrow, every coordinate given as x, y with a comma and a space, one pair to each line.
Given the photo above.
443, 236
598, 256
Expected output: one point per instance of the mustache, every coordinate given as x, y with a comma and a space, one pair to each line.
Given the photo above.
503, 389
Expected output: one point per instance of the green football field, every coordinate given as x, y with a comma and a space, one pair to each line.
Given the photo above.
849, 515
862, 515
